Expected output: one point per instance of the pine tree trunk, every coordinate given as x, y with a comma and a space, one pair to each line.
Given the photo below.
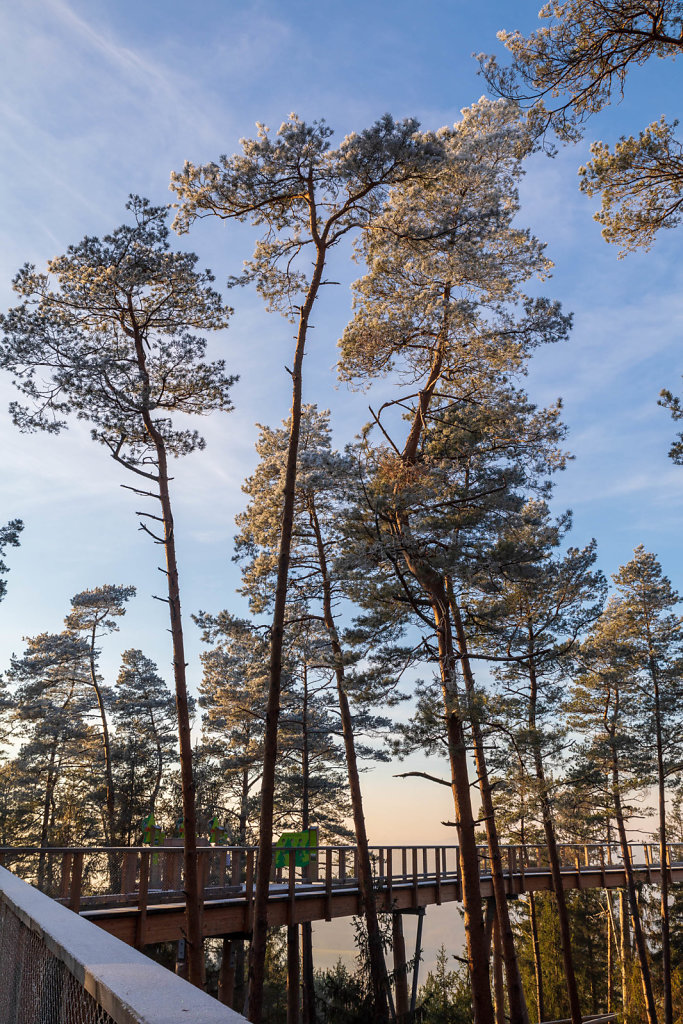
625, 954
477, 952
519, 1013
307, 973
49, 787
195, 949
376, 953
193, 897
106, 745
610, 952
641, 946
663, 860
257, 949
551, 843
309, 1015
433, 585
540, 1004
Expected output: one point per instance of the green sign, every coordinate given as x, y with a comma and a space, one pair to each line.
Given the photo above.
305, 843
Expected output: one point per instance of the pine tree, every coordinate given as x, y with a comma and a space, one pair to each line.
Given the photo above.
443, 305
9, 537
146, 738
542, 603
654, 637
110, 342
600, 707
93, 614
51, 701
572, 68
308, 198
318, 584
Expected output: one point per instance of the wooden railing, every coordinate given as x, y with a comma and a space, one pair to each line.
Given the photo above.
127, 875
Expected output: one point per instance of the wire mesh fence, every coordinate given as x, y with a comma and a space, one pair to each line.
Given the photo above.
35, 986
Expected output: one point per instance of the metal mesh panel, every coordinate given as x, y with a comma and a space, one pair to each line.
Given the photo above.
35, 986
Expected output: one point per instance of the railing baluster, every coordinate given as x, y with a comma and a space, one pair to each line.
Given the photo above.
415, 876
141, 927
389, 878
437, 875
249, 890
291, 886
328, 884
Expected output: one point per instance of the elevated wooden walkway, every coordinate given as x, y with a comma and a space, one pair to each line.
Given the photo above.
135, 893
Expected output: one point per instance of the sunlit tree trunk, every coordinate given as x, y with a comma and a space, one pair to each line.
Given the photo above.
195, 954
375, 950
641, 945
519, 1013
257, 950
538, 967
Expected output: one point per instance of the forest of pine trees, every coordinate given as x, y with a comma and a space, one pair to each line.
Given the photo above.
413, 591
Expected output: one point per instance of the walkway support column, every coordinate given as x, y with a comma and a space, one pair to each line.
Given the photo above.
400, 970
293, 974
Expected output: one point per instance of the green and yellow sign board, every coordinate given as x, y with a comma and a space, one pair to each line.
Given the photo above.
305, 843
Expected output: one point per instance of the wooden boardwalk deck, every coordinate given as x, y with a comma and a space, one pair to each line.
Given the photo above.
136, 893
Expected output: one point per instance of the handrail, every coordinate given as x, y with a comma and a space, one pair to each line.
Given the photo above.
128, 986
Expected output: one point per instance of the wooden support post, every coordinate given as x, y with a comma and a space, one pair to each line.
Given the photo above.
389, 878
249, 891
65, 880
328, 884
437, 875
400, 969
404, 861
76, 881
291, 889
141, 926
415, 890
458, 874
416, 963
226, 978
293, 971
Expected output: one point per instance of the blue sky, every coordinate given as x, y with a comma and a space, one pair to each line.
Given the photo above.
99, 100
